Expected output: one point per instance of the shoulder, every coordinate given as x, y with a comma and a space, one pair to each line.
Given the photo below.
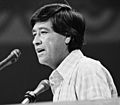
89, 66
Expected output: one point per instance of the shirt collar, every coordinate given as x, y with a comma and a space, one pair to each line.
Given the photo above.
71, 59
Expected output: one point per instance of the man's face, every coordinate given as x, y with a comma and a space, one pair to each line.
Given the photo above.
49, 45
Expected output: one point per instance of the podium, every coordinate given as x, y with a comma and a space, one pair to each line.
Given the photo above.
115, 101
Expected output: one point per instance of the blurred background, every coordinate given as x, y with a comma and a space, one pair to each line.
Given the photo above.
102, 39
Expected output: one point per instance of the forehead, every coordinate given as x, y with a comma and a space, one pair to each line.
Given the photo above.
42, 25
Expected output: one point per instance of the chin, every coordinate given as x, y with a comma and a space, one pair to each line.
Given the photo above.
46, 64
43, 61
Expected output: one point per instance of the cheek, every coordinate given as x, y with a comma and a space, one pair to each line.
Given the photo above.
55, 45
50, 45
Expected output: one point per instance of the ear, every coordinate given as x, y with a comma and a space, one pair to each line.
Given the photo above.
67, 40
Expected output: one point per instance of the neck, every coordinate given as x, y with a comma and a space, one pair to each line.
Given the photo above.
57, 63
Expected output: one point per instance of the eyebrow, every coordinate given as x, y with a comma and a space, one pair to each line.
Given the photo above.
40, 28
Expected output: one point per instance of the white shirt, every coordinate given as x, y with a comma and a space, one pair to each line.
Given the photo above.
81, 78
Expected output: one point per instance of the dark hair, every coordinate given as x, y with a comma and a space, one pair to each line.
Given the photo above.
65, 21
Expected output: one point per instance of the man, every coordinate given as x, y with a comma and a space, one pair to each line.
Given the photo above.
58, 32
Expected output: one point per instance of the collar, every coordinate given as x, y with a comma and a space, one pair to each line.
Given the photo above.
69, 62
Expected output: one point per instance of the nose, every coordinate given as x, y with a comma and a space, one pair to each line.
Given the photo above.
37, 41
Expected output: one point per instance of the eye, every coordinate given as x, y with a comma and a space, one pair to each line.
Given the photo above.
34, 34
43, 32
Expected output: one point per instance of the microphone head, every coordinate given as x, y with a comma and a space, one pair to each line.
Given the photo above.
45, 83
43, 86
15, 55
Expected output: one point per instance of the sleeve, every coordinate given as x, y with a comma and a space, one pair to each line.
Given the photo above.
91, 83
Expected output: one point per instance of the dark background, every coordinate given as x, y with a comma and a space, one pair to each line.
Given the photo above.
102, 39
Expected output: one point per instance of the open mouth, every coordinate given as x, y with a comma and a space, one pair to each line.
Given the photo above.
40, 50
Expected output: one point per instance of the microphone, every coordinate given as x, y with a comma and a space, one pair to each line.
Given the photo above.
12, 58
30, 96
